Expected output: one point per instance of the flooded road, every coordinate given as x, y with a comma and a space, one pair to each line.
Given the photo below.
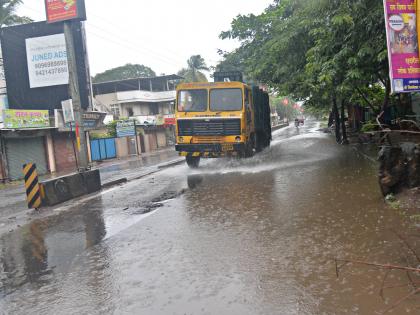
255, 236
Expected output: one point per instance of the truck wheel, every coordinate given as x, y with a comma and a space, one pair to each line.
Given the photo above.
249, 150
193, 161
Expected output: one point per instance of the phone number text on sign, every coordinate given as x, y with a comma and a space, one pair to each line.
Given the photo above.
47, 61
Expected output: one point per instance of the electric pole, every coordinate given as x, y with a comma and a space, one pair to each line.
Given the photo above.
74, 93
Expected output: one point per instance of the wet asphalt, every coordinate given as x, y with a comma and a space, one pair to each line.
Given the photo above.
254, 236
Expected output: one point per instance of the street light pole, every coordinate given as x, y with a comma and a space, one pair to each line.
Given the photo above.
74, 92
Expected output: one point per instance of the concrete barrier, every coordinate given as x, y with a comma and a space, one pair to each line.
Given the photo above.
71, 186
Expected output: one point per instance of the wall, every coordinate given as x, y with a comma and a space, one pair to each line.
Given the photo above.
139, 109
2, 175
161, 138
399, 168
105, 100
65, 160
152, 141
122, 147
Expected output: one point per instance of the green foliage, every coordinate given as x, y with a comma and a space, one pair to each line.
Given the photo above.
318, 52
99, 135
8, 14
192, 73
112, 129
128, 71
369, 126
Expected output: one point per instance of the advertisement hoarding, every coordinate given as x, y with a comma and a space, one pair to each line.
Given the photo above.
126, 128
23, 119
403, 49
63, 10
47, 61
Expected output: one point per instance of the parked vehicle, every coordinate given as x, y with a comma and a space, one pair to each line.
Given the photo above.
221, 119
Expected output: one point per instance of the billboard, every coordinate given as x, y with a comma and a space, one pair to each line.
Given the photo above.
403, 48
47, 61
22, 119
126, 128
16, 65
63, 10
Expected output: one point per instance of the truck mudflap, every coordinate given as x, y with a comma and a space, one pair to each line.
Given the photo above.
210, 150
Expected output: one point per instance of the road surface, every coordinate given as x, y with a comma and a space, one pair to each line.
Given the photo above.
254, 236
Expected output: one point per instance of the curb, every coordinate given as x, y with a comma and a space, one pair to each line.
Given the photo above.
114, 182
172, 163
279, 127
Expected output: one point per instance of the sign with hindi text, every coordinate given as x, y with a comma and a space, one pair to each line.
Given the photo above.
25, 119
403, 47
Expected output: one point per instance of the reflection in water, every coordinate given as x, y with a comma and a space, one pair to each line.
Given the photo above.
194, 180
277, 230
47, 245
34, 250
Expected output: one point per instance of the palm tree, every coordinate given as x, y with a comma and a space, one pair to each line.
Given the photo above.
8, 14
192, 73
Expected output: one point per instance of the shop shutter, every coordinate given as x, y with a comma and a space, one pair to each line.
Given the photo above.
22, 151
161, 139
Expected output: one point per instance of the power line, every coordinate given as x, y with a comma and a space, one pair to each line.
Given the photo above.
152, 53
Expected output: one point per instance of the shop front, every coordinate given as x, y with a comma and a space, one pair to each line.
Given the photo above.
26, 138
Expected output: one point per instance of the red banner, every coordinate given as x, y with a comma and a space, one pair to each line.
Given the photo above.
170, 121
62, 10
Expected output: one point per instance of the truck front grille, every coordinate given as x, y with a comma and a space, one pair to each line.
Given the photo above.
209, 127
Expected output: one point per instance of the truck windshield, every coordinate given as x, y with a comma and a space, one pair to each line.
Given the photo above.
225, 100
192, 100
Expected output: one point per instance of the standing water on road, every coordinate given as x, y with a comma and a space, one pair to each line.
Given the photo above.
254, 236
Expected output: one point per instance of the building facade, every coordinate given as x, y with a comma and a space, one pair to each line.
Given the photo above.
148, 101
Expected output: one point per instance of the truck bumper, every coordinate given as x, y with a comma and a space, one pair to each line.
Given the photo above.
210, 150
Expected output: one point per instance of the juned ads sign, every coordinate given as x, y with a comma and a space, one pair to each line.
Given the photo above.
47, 61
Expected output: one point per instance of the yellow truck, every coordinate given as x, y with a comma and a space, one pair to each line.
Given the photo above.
221, 119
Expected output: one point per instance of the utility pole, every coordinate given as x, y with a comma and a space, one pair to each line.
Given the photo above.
74, 92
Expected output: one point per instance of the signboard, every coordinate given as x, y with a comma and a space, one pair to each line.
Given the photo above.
126, 128
14, 48
91, 120
22, 119
47, 61
63, 10
403, 50
169, 121
68, 114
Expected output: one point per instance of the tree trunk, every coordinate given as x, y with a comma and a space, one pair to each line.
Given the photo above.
337, 121
343, 125
387, 95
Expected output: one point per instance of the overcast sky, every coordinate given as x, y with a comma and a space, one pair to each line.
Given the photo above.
161, 34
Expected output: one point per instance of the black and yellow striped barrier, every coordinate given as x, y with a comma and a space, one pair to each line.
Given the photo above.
33, 189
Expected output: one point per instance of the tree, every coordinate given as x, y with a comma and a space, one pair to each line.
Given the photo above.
128, 71
192, 73
8, 14
327, 53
